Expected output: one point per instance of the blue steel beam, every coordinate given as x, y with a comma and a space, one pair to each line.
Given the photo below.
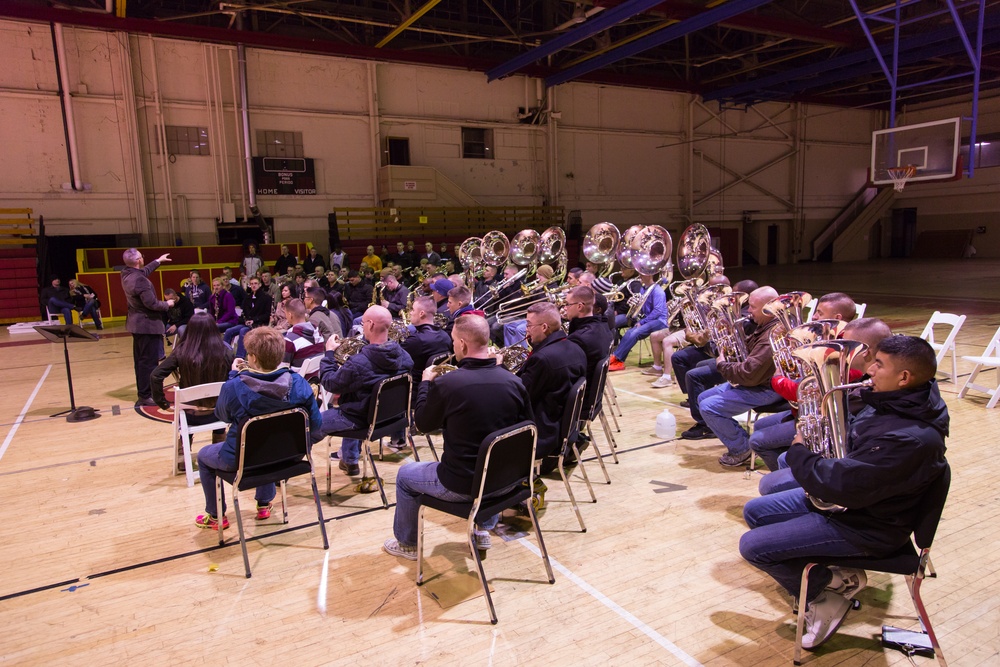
668, 34
603, 21
837, 67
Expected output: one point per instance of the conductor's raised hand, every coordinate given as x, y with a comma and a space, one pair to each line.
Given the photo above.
165, 257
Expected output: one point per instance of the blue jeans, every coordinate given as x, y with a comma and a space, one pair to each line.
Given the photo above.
778, 480
514, 332
684, 360
635, 334
700, 379
415, 479
783, 528
771, 436
63, 307
237, 331
335, 421
721, 403
91, 309
209, 461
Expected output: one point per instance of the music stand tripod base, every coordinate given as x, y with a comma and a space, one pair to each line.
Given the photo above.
80, 414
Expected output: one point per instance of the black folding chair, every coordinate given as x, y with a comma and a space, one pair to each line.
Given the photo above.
569, 431
506, 461
907, 561
388, 413
593, 408
273, 448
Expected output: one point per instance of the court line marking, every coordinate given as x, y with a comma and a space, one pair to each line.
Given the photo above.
678, 652
648, 398
24, 411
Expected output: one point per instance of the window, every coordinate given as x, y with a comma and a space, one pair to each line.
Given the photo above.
277, 143
477, 143
185, 140
987, 153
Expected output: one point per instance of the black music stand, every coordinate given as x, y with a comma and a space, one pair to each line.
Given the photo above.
66, 333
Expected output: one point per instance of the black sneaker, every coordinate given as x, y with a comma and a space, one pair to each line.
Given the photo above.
685, 403
698, 432
144, 402
352, 469
735, 460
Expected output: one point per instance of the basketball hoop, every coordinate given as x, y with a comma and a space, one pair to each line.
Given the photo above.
900, 175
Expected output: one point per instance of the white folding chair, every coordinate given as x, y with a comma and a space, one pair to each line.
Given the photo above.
860, 309
990, 359
810, 309
185, 398
309, 367
942, 349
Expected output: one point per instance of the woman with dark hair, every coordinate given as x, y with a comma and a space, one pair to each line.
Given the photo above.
199, 358
338, 307
279, 320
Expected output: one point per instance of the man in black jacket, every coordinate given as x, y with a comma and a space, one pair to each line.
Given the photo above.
144, 319
357, 294
589, 331
56, 297
549, 373
284, 261
468, 404
394, 295
179, 314
355, 381
427, 341
895, 452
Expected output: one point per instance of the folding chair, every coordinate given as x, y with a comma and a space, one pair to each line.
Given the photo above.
953, 321
751, 416
569, 431
593, 408
990, 359
388, 412
506, 461
810, 309
860, 309
907, 561
273, 448
185, 399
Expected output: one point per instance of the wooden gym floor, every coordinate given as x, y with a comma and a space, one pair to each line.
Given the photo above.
105, 565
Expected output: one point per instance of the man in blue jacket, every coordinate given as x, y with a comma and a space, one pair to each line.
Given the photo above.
355, 380
895, 452
652, 317
256, 386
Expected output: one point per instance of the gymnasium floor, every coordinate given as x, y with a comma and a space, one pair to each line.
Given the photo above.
105, 565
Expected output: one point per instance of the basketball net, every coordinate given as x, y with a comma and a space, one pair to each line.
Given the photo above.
900, 175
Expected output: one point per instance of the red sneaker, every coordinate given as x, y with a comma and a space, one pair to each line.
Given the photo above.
615, 365
209, 521
263, 512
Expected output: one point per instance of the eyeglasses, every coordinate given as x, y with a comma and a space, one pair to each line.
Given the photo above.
537, 324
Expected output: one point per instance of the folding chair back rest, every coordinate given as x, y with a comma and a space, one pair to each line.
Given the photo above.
570, 426
505, 457
437, 359
272, 441
186, 397
389, 404
595, 390
931, 508
310, 366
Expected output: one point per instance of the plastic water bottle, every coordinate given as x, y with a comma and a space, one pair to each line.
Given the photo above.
666, 425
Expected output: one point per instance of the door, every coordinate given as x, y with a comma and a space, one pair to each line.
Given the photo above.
904, 232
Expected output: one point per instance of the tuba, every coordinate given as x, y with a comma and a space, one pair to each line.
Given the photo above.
495, 248
525, 248
600, 244
787, 308
693, 250
822, 399
627, 246
552, 248
651, 250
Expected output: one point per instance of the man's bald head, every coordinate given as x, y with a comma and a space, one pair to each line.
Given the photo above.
376, 324
759, 298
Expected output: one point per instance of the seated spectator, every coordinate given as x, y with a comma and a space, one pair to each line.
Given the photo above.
302, 340
279, 319
222, 306
86, 301
196, 291
256, 386
57, 298
319, 315
179, 314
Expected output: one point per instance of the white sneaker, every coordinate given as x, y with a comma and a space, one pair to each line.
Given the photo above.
847, 581
822, 618
653, 370
663, 381
393, 547
482, 540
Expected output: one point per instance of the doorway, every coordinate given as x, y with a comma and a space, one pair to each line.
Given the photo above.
904, 232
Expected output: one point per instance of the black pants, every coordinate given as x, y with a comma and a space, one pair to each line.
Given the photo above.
147, 350
684, 360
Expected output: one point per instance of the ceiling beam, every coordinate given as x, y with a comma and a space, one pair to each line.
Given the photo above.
429, 5
703, 20
603, 21
766, 25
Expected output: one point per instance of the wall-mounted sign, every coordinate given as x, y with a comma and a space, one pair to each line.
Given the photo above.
409, 185
284, 176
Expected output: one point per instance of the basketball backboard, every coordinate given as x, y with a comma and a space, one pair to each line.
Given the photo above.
932, 148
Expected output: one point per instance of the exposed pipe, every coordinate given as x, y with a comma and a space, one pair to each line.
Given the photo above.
162, 134
244, 185
132, 133
553, 149
374, 130
214, 131
69, 122
241, 52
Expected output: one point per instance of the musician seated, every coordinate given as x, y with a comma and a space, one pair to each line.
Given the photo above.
548, 375
652, 317
459, 303
440, 288
835, 306
260, 389
357, 293
394, 295
319, 315
484, 284
427, 340
589, 330
747, 386
895, 451
467, 404
355, 381
302, 340
664, 342
775, 439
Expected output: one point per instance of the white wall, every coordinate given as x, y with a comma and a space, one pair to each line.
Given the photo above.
621, 154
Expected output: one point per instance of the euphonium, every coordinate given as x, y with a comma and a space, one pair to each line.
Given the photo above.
495, 248
822, 398
787, 308
726, 326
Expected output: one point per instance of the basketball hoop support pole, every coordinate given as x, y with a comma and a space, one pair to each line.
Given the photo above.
973, 48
